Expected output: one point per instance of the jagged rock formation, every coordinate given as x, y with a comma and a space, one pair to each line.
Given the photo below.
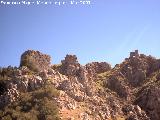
35, 60
78, 84
70, 66
98, 67
149, 101
127, 79
129, 91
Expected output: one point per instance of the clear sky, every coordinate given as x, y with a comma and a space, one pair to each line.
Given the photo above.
106, 30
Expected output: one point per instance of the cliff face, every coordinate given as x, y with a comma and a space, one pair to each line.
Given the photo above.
95, 91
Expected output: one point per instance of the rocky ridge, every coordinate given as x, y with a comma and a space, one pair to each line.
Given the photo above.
95, 91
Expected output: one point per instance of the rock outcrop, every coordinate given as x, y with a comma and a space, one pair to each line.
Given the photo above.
118, 85
137, 67
95, 91
70, 66
134, 112
35, 60
98, 67
149, 99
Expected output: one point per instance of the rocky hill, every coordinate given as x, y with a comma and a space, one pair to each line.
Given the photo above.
39, 90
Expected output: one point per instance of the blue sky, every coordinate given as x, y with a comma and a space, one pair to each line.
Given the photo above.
106, 30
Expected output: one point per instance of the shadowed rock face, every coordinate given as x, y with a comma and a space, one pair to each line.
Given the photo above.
118, 86
149, 99
35, 60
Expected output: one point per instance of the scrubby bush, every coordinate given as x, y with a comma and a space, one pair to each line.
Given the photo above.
29, 62
36, 105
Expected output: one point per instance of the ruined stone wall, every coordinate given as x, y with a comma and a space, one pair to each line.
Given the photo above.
134, 54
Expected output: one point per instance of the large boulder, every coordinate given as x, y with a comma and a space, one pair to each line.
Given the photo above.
35, 60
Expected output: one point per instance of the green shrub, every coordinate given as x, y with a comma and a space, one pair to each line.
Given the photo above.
36, 105
29, 62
